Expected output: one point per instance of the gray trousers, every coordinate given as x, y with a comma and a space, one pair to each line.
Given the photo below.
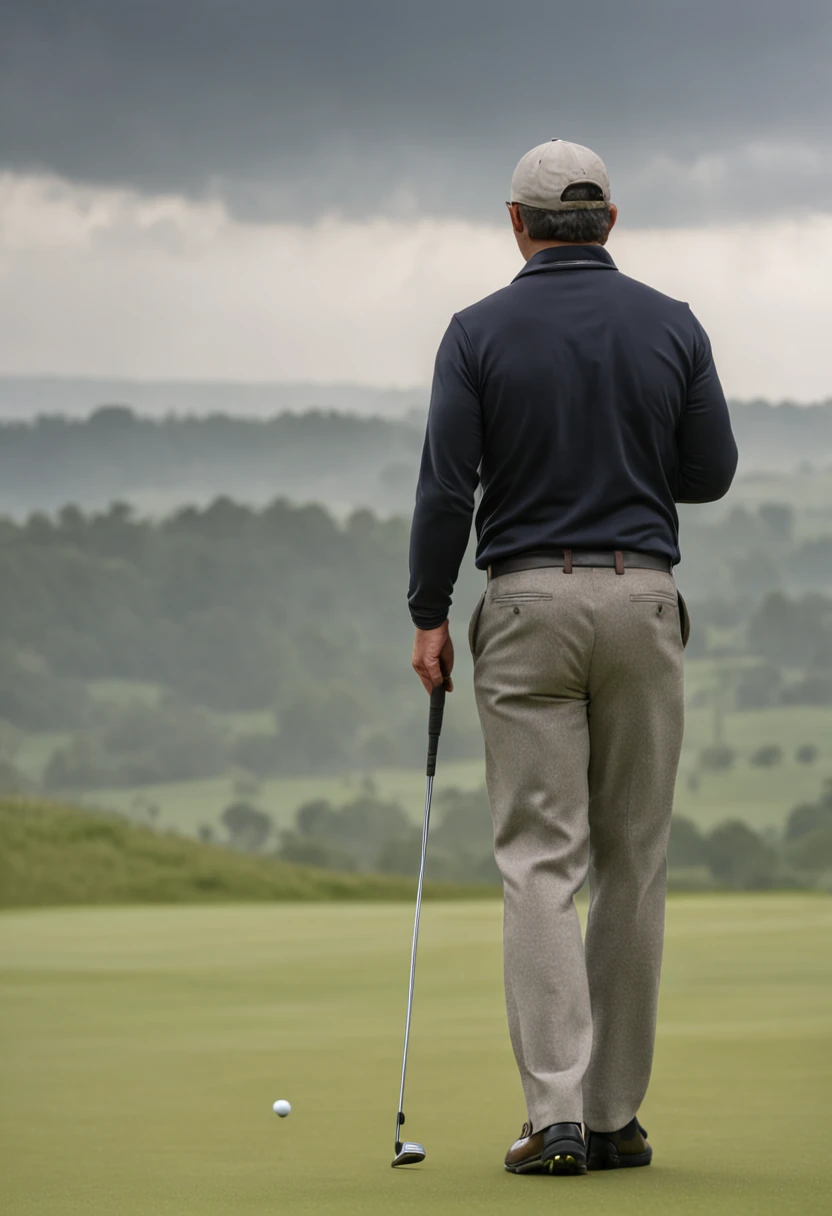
579, 687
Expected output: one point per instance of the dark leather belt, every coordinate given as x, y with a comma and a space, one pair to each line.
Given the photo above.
568, 558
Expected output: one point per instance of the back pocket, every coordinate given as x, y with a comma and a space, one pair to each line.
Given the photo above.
520, 597
664, 597
655, 597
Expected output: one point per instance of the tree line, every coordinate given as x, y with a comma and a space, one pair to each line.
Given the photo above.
371, 835
286, 609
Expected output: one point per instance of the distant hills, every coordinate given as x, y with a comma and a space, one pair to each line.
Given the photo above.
75, 397
156, 465
167, 446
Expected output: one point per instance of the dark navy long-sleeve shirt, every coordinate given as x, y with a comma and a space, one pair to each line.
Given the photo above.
585, 403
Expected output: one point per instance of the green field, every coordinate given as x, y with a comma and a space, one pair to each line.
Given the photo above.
762, 797
187, 804
808, 491
143, 1049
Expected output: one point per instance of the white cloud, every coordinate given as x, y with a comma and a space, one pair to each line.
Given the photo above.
112, 283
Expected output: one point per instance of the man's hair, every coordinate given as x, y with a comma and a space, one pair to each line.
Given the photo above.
583, 226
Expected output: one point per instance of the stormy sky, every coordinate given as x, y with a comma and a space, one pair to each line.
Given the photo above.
267, 190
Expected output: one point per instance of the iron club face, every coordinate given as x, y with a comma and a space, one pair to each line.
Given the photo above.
409, 1153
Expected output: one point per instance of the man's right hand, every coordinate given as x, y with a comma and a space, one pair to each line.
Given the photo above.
433, 657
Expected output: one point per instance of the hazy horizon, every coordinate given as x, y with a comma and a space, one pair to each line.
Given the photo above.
25, 397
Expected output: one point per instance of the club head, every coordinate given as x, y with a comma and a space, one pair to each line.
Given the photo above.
409, 1153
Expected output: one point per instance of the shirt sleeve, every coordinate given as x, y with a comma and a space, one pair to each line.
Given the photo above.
706, 446
448, 478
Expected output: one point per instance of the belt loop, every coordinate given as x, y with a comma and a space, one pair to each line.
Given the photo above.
567, 561
619, 561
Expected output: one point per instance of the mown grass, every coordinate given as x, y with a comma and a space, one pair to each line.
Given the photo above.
52, 855
145, 1047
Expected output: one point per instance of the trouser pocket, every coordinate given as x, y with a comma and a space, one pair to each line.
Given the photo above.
684, 620
473, 625
521, 597
654, 597
675, 601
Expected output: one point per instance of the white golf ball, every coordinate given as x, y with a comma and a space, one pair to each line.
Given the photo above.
282, 1108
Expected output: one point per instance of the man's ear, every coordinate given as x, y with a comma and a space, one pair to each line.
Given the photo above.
613, 216
516, 219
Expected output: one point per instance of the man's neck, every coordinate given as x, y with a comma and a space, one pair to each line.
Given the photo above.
537, 246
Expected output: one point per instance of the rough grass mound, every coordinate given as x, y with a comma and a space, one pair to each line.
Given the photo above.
52, 855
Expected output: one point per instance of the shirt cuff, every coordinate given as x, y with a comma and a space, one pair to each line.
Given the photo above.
424, 621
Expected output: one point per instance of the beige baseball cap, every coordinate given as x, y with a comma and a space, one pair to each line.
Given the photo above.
547, 170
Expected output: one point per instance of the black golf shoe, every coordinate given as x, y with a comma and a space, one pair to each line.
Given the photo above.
563, 1150
617, 1150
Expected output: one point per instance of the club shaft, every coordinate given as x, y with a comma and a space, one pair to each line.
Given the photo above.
428, 797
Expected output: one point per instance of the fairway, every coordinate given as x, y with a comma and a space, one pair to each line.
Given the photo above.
142, 1050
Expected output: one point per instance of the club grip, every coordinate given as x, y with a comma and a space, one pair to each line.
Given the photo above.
437, 709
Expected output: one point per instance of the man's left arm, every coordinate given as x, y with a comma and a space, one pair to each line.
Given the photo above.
705, 442
444, 503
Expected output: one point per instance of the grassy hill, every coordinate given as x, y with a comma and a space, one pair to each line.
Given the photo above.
52, 855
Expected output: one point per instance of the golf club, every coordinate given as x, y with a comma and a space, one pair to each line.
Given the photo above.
409, 1152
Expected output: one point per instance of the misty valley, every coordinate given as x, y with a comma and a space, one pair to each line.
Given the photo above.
204, 630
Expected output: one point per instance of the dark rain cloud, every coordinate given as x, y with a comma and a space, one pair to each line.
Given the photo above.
701, 110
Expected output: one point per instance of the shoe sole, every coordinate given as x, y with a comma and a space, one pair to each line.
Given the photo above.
533, 1166
560, 1163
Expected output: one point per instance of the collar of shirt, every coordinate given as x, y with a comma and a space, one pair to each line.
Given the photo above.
579, 257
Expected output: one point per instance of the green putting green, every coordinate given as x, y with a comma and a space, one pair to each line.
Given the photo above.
142, 1049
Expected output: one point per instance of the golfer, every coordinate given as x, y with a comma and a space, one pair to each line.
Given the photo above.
585, 405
